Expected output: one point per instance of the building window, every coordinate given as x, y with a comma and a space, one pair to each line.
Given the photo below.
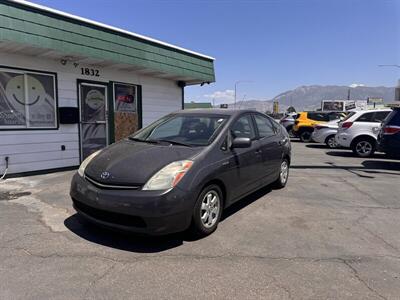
27, 100
125, 97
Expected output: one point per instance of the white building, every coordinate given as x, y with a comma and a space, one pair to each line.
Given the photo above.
69, 86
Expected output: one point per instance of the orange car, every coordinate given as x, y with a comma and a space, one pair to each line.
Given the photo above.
305, 121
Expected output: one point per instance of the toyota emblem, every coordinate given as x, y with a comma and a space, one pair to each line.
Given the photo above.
105, 175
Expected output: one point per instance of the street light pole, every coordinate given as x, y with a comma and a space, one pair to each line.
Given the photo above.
397, 89
236, 84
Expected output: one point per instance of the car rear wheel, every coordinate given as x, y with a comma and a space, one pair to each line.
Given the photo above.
364, 147
207, 211
330, 141
305, 136
283, 175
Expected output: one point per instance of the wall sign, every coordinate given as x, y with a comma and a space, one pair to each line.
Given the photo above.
124, 97
27, 100
90, 72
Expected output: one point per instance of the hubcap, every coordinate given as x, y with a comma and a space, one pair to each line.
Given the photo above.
332, 142
284, 171
210, 207
364, 148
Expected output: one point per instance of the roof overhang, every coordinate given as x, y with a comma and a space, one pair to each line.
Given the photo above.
36, 30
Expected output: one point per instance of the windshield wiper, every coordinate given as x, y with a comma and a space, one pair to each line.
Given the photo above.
143, 141
174, 142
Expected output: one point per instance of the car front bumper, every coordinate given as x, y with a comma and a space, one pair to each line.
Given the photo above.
144, 212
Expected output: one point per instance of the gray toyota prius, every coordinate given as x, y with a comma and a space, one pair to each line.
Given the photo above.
181, 171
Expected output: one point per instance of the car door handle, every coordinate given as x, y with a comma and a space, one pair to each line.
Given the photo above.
259, 151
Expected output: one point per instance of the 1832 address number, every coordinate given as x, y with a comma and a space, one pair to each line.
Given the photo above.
90, 72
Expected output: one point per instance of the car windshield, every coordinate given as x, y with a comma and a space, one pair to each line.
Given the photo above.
186, 130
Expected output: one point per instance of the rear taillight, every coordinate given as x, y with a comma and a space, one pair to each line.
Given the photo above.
347, 125
390, 129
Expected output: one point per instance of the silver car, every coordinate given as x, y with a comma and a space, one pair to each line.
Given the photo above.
325, 133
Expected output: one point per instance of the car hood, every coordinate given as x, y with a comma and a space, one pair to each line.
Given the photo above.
133, 163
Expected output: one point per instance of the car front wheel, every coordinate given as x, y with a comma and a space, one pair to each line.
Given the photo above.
331, 142
207, 211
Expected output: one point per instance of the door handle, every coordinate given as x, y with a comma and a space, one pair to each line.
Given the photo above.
258, 151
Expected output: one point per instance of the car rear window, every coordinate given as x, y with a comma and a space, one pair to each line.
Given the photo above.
393, 118
367, 117
380, 116
349, 116
318, 116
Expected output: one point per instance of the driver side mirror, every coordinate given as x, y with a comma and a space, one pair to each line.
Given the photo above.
241, 142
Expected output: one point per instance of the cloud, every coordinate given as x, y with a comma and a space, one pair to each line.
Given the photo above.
226, 96
354, 85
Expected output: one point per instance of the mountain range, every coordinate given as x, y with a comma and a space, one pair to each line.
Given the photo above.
310, 97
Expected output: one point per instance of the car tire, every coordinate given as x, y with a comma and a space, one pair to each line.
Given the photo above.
207, 211
283, 175
364, 147
305, 136
290, 131
330, 141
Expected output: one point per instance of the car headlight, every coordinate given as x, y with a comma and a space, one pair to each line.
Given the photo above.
82, 167
169, 176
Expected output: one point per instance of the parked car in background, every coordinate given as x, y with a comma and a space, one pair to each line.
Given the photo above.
288, 121
359, 131
389, 135
182, 171
324, 133
306, 120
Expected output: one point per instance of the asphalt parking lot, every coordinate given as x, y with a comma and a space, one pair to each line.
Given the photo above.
332, 233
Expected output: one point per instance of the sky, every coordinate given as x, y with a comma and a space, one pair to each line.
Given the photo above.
271, 46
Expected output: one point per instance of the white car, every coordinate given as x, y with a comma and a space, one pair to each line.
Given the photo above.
324, 133
359, 131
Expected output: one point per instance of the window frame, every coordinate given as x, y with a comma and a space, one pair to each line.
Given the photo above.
251, 122
372, 113
274, 129
23, 71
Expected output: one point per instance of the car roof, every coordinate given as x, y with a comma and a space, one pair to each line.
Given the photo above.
214, 111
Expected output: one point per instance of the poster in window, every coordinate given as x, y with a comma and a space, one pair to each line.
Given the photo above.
27, 100
125, 98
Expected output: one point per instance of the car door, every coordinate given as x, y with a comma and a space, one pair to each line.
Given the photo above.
242, 168
271, 147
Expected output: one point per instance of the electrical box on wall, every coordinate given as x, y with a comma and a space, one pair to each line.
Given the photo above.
69, 115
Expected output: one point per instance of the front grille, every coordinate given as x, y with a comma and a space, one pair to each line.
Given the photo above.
111, 186
109, 217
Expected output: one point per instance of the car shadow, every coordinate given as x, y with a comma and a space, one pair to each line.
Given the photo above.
349, 153
242, 203
317, 146
146, 244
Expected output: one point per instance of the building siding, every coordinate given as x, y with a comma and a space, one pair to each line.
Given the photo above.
32, 150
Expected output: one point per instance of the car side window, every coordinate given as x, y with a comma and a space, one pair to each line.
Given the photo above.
264, 126
243, 127
367, 117
380, 116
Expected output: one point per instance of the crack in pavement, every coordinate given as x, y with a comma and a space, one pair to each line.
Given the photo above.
97, 279
197, 256
356, 275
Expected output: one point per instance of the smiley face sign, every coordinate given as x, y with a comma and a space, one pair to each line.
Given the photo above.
26, 94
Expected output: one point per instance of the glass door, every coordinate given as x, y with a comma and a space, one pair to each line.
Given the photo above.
93, 117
